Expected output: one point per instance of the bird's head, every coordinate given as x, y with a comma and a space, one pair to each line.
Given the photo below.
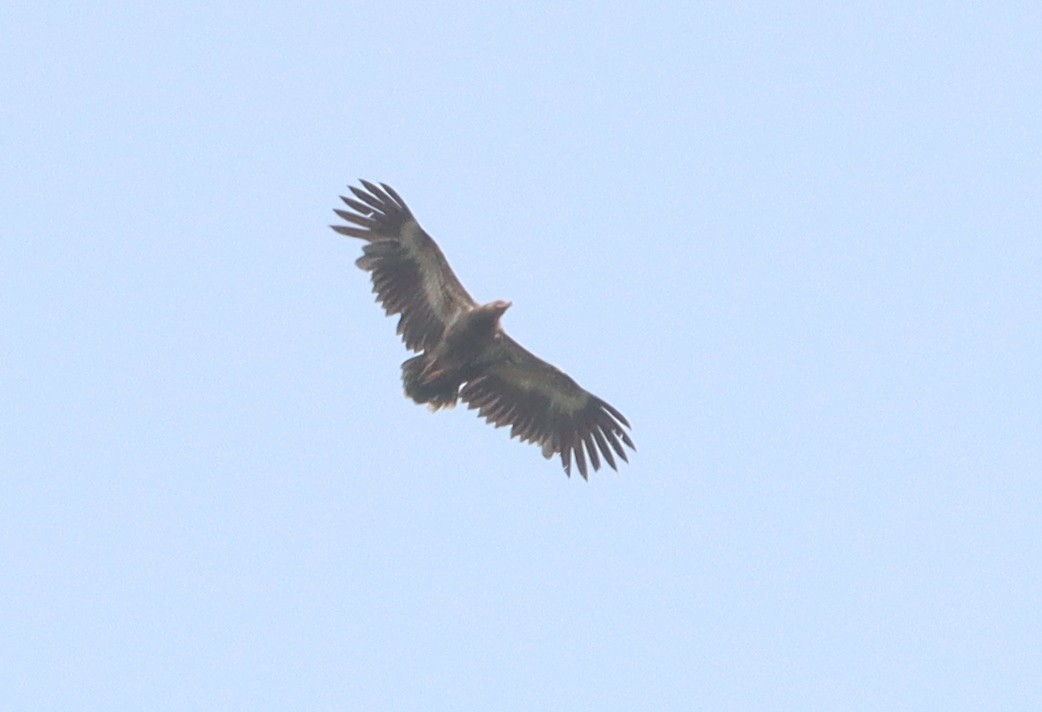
498, 307
491, 312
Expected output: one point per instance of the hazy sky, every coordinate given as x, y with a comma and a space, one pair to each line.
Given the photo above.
798, 245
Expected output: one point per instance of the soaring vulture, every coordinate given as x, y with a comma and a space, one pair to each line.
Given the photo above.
464, 352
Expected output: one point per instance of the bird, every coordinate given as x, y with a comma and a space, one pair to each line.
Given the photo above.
463, 352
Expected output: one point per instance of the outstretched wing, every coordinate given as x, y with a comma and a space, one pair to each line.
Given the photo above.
411, 276
544, 406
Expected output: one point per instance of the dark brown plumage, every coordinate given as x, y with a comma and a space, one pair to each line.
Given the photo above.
465, 354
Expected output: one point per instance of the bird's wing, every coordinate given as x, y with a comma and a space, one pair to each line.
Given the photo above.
543, 405
410, 274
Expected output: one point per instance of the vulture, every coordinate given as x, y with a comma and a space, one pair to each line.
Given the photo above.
464, 354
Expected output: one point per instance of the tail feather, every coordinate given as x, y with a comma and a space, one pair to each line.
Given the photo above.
425, 384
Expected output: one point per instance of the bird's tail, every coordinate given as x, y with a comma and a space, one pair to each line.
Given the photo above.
425, 383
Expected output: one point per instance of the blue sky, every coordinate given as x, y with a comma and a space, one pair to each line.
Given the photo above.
798, 245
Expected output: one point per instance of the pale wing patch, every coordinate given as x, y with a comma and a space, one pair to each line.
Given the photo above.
569, 398
436, 288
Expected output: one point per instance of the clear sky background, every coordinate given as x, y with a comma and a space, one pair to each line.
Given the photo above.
798, 245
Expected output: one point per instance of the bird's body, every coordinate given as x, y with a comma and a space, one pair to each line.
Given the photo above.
465, 354
469, 345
